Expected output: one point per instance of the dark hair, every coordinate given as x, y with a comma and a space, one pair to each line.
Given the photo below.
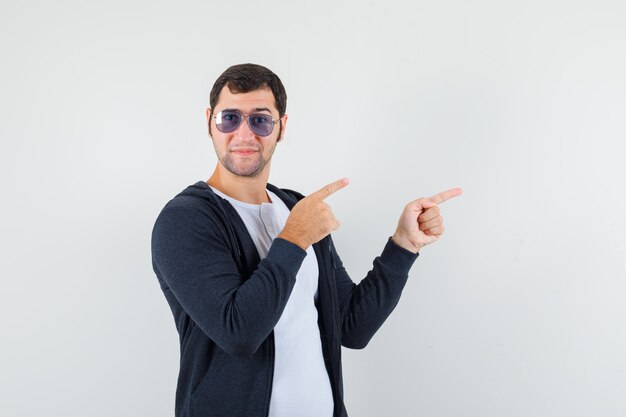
244, 78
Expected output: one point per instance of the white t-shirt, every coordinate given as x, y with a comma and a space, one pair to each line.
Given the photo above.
301, 386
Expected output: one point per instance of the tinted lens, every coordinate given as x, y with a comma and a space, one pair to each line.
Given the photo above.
228, 121
261, 124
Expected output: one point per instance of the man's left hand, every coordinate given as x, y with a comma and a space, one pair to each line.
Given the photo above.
421, 223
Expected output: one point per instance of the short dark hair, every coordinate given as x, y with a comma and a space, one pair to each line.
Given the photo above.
243, 78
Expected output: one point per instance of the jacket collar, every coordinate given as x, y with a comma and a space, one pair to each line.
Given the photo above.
201, 189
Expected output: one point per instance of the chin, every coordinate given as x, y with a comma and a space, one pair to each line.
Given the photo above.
247, 168
251, 171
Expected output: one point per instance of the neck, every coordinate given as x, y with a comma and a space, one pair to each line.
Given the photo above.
247, 189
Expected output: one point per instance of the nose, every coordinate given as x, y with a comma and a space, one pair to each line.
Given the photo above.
243, 131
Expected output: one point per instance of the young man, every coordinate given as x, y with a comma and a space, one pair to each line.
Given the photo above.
260, 297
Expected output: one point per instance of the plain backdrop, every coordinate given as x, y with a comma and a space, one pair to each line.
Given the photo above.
520, 308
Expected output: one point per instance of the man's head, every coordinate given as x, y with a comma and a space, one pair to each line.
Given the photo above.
241, 141
243, 78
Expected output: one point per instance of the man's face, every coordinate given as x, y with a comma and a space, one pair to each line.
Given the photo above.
242, 152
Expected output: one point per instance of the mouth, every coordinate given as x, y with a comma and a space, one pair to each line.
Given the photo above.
244, 152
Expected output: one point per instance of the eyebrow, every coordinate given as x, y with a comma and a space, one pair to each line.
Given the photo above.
255, 110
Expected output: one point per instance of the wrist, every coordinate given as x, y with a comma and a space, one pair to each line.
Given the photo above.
405, 243
293, 239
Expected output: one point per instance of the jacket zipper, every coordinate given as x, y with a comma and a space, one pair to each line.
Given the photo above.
270, 382
330, 327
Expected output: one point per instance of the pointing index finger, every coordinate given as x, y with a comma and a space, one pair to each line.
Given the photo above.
331, 188
446, 195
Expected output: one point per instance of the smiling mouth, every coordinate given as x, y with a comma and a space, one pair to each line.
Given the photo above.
244, 151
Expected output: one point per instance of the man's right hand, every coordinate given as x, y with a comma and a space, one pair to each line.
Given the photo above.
311, 219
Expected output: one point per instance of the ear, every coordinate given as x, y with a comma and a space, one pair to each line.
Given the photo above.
207, 112
283, 125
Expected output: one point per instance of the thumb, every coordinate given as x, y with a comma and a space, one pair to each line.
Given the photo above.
427, 203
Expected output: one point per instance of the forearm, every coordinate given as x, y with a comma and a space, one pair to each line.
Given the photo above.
236, 311
367, 305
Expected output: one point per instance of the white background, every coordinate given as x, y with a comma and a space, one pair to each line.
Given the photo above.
519, 310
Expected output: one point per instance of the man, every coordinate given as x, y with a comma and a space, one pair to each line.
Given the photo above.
259, 295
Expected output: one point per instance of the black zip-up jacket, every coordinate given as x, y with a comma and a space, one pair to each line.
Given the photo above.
226, 302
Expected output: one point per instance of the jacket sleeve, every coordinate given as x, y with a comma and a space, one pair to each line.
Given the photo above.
192, 258
364, 307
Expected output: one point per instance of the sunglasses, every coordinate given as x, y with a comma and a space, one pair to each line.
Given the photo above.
229, 120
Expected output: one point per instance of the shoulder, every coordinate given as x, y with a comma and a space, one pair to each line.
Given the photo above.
195, 206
